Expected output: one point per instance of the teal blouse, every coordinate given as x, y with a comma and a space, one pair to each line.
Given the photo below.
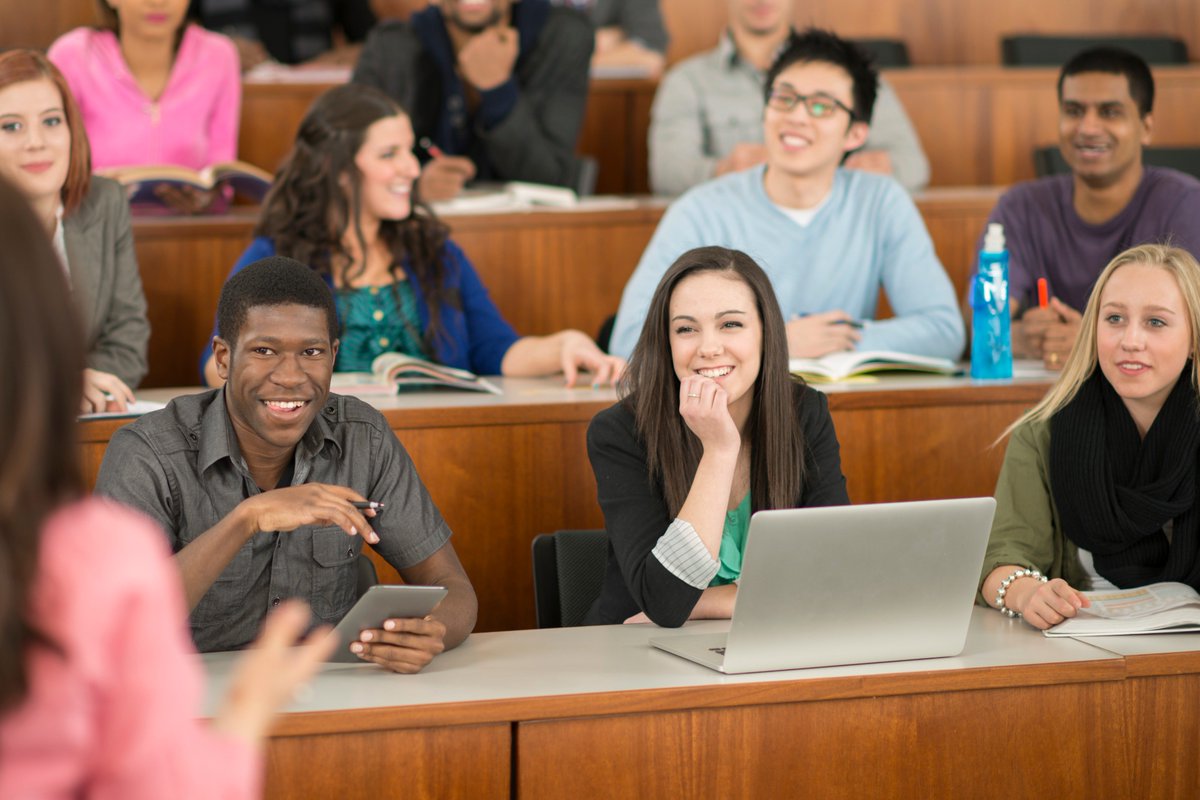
733, 543
375, 320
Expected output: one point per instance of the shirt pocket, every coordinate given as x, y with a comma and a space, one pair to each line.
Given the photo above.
335, 573
228, 591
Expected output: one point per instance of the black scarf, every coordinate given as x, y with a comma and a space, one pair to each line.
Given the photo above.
1115, 491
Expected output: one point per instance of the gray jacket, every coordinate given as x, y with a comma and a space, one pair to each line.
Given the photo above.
106, 284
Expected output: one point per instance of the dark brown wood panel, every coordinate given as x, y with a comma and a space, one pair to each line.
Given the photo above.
470, 761
943, 744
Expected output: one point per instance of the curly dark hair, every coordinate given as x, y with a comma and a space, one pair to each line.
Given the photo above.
309, 208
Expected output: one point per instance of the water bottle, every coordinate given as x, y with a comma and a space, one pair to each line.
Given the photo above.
991, 333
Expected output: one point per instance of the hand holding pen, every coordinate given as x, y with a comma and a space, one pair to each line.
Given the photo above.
443, 176
816, 335
1048, 330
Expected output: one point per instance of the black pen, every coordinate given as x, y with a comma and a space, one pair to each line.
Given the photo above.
365, 505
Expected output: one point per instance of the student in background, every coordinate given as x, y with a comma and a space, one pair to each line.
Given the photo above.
154, 89
292, 32
710, 428
499, 88
829, 238
99, 686
629, 33
1065, 227
44, 154
1099, 484
343, 203
707, 118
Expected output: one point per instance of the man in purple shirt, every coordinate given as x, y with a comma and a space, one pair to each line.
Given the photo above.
1066, 228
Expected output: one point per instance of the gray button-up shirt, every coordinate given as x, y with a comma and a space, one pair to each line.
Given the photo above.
183, 467
711, 102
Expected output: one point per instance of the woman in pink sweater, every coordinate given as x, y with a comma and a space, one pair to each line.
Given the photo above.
154, 89
99, 683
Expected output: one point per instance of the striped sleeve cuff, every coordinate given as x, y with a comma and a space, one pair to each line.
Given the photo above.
685, 556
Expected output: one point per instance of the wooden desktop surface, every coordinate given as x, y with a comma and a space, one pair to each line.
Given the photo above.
504, 469
545, 270
597, 712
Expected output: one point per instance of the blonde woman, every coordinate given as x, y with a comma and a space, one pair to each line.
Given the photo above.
1098, 487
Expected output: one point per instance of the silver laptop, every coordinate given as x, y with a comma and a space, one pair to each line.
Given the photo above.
850, 585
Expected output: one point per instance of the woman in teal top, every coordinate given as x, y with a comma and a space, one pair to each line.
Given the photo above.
710, 427
344, 204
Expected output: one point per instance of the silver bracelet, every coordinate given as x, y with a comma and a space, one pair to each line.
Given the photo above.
1023, 572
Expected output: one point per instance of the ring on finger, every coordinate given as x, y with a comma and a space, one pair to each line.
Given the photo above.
693, 394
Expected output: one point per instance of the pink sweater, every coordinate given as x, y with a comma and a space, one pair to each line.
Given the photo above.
114, 715
195, 121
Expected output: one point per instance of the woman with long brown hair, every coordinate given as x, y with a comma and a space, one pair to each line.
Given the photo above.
344, 204
710, 428
99, 685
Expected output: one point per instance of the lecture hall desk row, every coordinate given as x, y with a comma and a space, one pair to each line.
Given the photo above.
504, 469
979, 125
597, 713
545, 270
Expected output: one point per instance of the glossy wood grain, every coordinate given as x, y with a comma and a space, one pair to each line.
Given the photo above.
469, 761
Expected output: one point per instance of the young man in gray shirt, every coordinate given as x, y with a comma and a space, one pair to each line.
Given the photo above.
707, 118
255, 483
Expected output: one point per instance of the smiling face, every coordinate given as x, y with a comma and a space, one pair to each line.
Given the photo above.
35, 141
1100, 132
277, 374
1143, 337
800, 146
149, 19
474, 16
760, 17
715, 331
387, 169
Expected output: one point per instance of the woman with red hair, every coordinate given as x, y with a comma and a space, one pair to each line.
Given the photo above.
44, 153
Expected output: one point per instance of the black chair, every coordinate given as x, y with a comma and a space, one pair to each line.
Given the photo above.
1049, 161
1054, 51
568, 572
886, 53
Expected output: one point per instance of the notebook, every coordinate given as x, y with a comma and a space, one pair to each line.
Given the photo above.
850, 585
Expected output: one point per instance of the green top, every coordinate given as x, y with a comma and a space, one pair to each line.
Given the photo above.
1026, 530
733, 543
375, 320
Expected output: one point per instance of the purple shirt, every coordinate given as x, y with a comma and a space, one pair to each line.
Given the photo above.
193, 123
1046, 238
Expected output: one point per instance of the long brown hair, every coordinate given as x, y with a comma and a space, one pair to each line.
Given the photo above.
39, 456
307, 209
19, 66
651, 389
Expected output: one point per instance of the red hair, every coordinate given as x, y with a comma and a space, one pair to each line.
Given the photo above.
20, 66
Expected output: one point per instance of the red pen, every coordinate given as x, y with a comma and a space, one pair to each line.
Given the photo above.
1043, 293
429, 147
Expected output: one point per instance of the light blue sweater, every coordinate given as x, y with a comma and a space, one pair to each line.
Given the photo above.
867, 235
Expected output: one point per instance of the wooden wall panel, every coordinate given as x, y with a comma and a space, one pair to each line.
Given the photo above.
934, 745
469, 762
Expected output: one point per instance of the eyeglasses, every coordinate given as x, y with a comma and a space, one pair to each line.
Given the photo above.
819, 105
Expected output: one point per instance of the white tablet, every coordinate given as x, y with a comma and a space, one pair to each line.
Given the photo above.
383, 602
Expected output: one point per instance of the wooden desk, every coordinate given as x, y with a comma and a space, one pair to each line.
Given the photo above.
546, 270
503, 470
596, 712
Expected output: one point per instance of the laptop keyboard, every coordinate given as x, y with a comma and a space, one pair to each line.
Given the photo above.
718, 650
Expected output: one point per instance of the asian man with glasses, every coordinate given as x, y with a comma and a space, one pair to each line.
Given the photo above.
828, 237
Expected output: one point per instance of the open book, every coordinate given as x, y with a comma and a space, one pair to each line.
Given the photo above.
1158, 608
511, 196
391, 372
142, 182
840, 366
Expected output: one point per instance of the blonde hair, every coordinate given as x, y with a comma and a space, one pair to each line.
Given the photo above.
1081, 363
